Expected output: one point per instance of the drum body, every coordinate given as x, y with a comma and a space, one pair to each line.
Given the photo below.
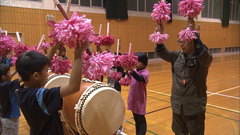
97, 109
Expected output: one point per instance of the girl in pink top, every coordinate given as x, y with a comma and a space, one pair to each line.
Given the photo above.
137, 96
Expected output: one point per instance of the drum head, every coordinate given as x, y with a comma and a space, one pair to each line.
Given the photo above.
103, 112
56, 81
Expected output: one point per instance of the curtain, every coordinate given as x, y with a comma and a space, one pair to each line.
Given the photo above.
116, 9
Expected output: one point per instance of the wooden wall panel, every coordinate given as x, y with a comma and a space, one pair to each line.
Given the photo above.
32, 23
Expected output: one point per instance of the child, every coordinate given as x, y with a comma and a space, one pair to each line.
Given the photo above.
63, 53
9, 108
8, 59
115, 83
40, 106
137, 94
111, 81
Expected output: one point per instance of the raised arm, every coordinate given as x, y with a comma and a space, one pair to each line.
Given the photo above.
162, 51
204, 57
75, 79
165, 54
53, 51
136, 76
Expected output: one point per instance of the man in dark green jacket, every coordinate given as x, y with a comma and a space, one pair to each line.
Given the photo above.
189, 76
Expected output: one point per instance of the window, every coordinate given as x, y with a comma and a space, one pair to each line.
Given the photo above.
175, 6
141, 5
149, 5
88, 3
74, 2
62, 1
234, 10
217, 10
132, 5
212, 9
205, 10
85, 3
97, 3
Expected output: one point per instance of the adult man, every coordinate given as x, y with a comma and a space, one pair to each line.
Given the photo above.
189, 74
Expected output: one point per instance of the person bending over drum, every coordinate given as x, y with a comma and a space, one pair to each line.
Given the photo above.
40, 106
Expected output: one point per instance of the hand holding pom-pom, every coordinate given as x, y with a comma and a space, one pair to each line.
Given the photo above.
115, 75
108, 40
97, 40
59, 65
44, 46
97, 65
117, 60
129, 61
158, 38
7, 43
73, 32
125, 81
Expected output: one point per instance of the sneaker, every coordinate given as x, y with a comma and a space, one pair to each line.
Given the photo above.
118, 132
121, 128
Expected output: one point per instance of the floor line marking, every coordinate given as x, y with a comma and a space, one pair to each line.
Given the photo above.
215, 106
224, 115
223, 95
223, 91
223, 108
158, 110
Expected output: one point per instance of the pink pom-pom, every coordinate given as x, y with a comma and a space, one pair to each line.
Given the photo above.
161, 12
125, 81
73, 32
97, 40
59, 65
51, 23
20, 48
158, 38
44, 46
108, 40
117, 60
7, 43
52, 43
13, 60
35, 48
97, 65
187, 35
129, 61
115, 75
190, 8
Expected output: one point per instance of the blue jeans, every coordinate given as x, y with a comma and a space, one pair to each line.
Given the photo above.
10, 126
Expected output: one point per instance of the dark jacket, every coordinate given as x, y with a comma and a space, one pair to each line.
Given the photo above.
189, 77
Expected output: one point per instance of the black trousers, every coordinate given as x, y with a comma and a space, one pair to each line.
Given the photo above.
141, 124
184, 125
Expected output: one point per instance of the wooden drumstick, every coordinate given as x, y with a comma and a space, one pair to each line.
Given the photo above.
18, 37
40, 42
61, 9
68, 6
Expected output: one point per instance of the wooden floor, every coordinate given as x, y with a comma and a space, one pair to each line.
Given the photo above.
222, 116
